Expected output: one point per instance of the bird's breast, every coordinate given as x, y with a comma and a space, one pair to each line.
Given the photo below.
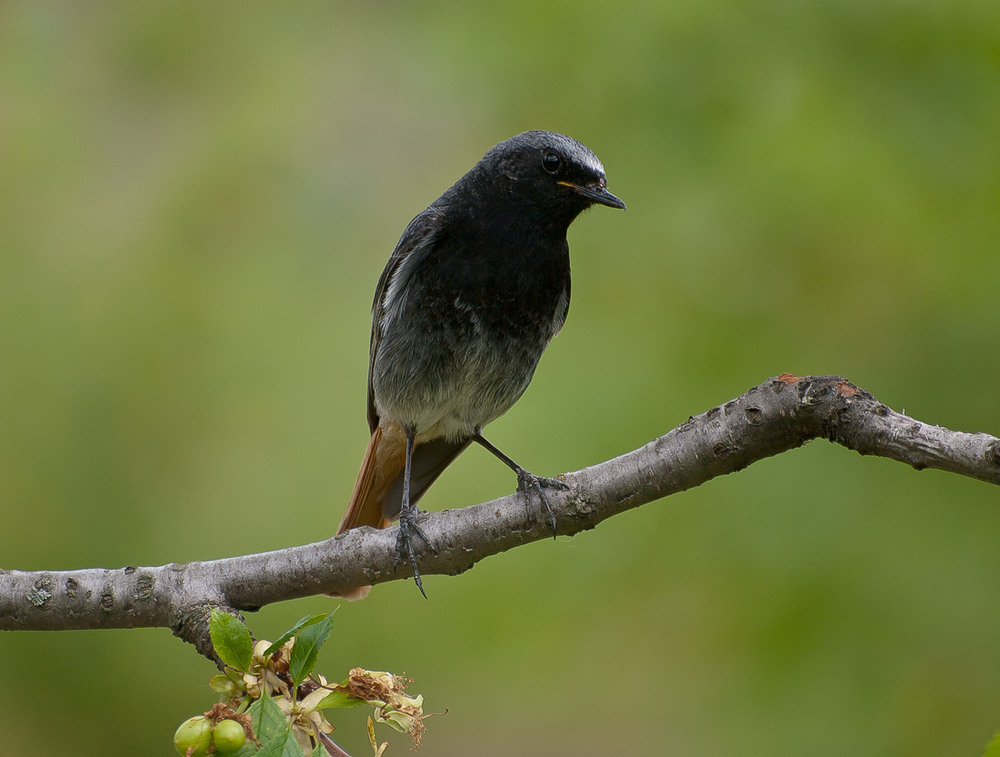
463, 345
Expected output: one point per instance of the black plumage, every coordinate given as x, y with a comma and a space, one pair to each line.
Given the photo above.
473, 293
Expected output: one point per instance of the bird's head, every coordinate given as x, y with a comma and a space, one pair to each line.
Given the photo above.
549, 170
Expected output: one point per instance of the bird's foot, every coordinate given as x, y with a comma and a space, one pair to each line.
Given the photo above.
408, 529
528, 482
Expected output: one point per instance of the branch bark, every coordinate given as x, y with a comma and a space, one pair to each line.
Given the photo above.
781, 414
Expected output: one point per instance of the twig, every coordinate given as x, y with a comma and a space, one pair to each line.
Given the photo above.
780, 414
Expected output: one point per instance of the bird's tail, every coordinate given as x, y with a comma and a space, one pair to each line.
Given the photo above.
384, 461
378, 490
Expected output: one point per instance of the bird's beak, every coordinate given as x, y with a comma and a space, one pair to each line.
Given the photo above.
596, 193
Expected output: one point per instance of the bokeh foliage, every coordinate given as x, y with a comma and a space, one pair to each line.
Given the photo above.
196, 200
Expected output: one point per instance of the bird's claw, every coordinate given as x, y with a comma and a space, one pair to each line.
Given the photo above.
526, 482
408, 529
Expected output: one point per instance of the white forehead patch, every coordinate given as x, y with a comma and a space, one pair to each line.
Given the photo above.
584, 156
590, 160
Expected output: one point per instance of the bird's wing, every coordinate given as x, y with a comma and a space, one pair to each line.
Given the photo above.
419, 239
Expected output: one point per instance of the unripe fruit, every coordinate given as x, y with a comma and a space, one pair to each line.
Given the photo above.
193, 737
228, 737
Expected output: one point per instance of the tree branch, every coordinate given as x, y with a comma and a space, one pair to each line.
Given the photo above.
780, 414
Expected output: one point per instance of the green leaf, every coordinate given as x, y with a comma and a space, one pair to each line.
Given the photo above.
338, 698
231, 639
220, 684
248, 750
268, 719
308, 620
306, 649
223, 684
283, 745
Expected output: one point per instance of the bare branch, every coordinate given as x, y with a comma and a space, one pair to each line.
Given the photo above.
778, 415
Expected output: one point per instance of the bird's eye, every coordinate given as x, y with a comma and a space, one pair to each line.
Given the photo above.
551, 162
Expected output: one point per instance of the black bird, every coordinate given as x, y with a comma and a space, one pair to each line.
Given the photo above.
476, 288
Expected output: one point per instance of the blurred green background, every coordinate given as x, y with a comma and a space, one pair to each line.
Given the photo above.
196, 200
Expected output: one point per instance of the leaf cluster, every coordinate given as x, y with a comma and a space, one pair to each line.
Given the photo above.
275, 686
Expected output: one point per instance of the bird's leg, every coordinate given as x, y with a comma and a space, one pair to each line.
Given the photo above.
408, 527
526, 481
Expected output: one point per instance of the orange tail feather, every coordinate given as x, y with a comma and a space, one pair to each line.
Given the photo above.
384, 460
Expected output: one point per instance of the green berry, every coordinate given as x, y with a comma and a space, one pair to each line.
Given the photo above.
193, 737
228, 737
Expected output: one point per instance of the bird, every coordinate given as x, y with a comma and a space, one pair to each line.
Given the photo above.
474, 291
